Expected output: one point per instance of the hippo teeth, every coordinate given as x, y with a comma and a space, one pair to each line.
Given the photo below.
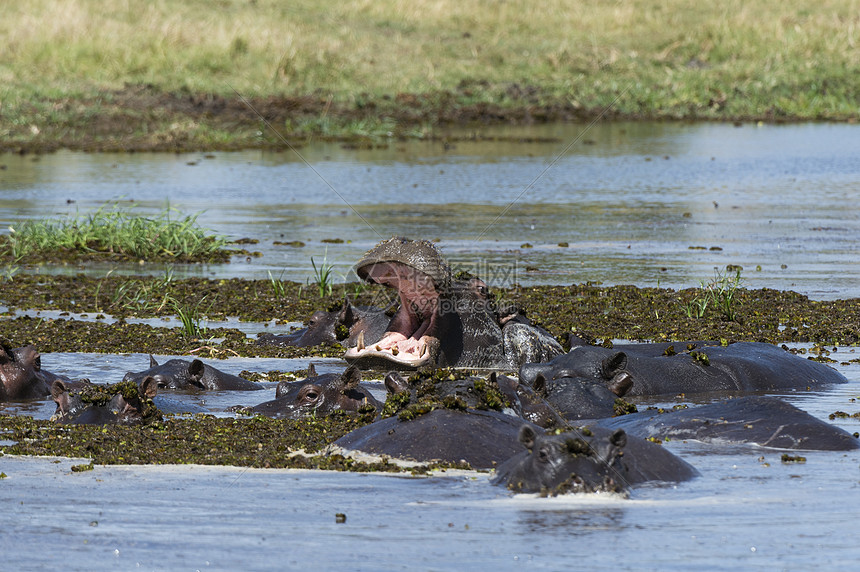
360, 341
422, 350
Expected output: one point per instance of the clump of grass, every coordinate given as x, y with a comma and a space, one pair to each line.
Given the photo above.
192, 319
8, 272
115, 232
278, 286
323, 278
719, 294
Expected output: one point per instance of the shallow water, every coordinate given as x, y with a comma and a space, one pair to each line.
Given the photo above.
785, 196
630, 199
747, 509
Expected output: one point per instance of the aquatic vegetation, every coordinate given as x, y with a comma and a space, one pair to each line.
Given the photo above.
277, 285
591, 312
193, 321
114, 232
323, 276
201, 439
718, 293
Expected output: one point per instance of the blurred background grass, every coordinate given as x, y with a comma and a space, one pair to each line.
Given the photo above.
795, 59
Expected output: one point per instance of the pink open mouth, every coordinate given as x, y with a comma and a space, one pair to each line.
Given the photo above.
411, 339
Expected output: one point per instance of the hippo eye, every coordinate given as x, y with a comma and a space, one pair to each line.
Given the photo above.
543, 455
311, 394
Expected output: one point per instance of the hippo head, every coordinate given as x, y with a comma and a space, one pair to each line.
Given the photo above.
174, 374
441, 321
20, 373
193, 376
84, 403
587, 364
318, 395
577, 461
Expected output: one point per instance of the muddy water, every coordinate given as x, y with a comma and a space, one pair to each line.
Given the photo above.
643, 204
784, 196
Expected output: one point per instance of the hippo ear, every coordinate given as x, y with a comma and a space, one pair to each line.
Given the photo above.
539, 385
312, 371
57, 389
527, 436
613, 364
619, 438
196, 369
395, 383
152, 362
346, 316
351, 377
149, 387
493, 378
6, 355
621, 384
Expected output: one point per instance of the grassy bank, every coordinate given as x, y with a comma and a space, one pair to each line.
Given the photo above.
116, 75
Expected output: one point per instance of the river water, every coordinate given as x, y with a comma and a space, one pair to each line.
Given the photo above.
645, 204
629, 199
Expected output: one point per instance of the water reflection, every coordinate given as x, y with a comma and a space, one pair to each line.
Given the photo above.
571, 522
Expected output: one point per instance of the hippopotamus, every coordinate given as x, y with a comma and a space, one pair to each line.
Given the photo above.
480, 438
442, 320
85, 403
319, 395
451, 389
184, 375
21, 374
456, 390
741, 366
531, 405
349, 326
763, 420
583, 398
588, 460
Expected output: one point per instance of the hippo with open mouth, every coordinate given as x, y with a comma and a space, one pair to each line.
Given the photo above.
442, 321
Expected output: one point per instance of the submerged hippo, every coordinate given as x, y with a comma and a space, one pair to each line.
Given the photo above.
21, 374
319, 395
442, 321
184, 375
348, 326
763, 420
458, 390
588, 460
85, 403
741, 366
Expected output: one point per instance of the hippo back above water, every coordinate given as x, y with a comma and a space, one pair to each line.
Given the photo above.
741, 366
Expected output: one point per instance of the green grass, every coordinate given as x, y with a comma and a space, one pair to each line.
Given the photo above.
192, 319
114, 232
322, 276
68, 65
719, 294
